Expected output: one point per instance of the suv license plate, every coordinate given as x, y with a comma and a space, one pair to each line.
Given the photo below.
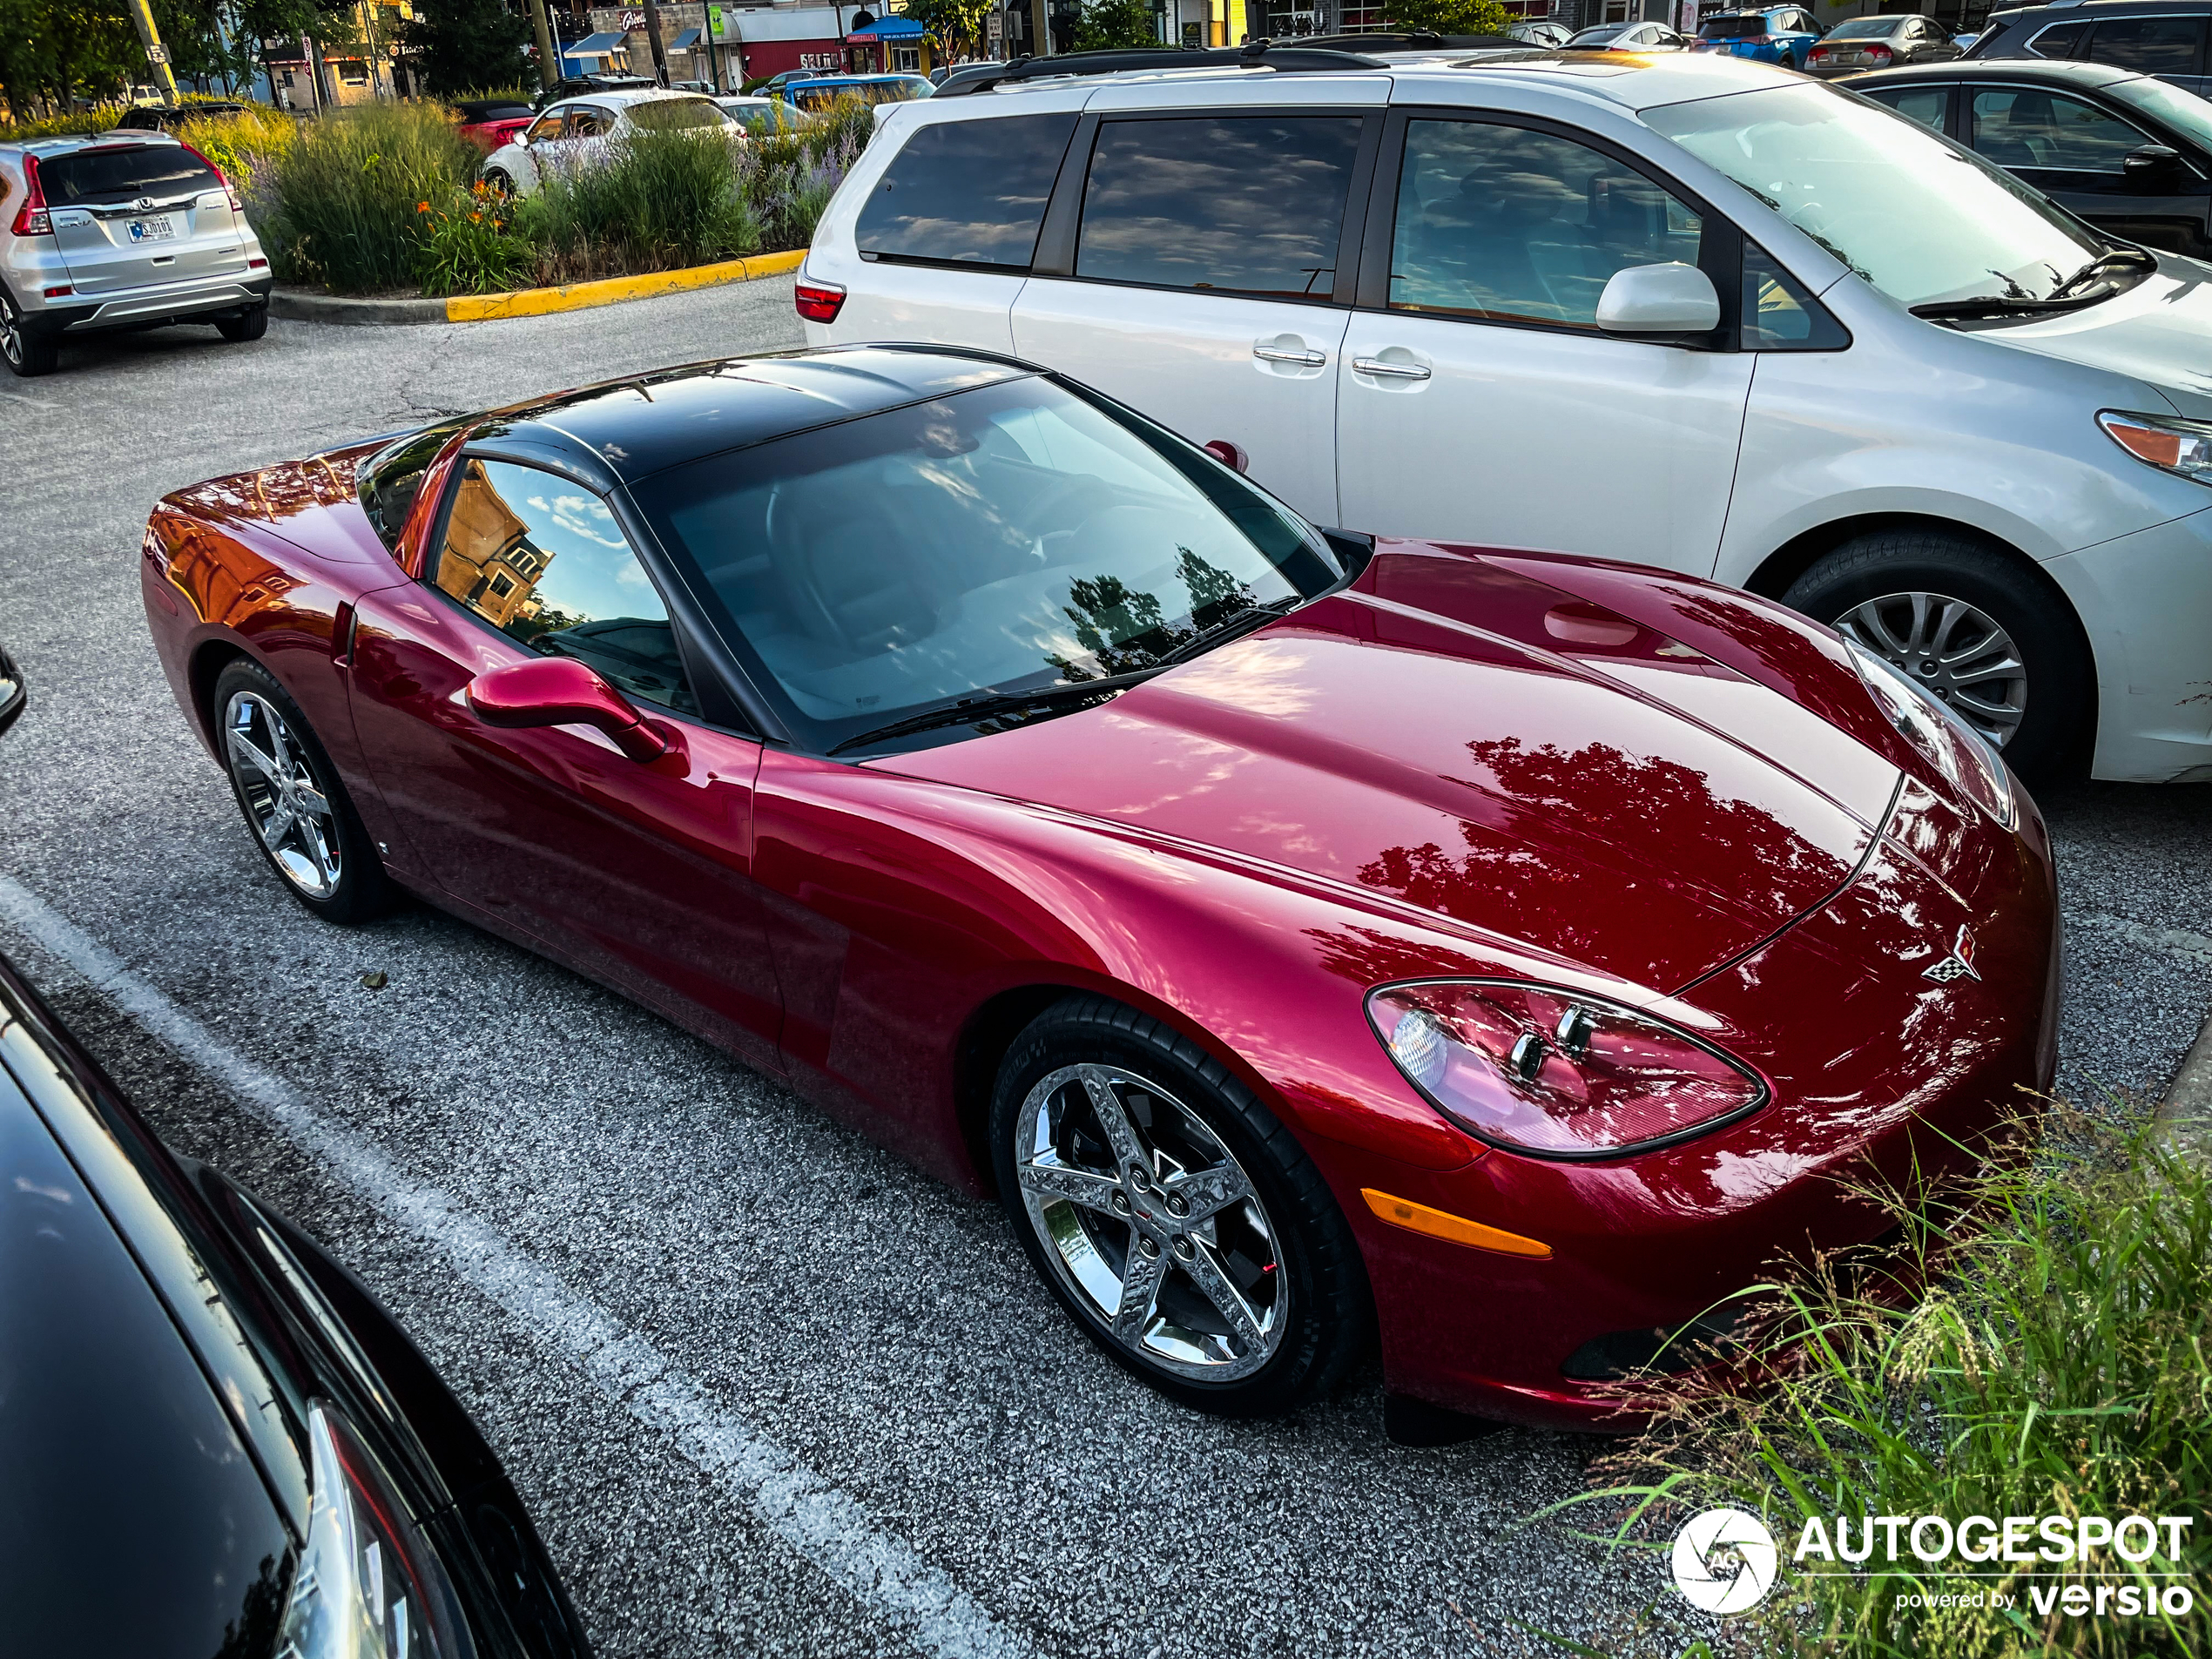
152, 230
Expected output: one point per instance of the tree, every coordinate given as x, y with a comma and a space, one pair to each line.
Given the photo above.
1449, 17
464, 44
1108, 23
957, 26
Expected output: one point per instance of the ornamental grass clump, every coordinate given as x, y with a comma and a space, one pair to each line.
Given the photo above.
469, 245
344, 205
652, 200
790, 176
2034, 1345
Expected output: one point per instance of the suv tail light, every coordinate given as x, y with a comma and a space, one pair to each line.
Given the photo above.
32, 219
819, 302
229, 188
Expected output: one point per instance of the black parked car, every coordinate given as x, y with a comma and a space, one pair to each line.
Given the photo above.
2161, 38
2131, 154
213, 1443
159, 117
584, 86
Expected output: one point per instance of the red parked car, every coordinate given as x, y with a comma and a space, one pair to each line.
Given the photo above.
1304, 937
490, 123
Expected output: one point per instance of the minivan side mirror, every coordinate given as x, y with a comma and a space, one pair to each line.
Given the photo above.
562, 691
1659, 299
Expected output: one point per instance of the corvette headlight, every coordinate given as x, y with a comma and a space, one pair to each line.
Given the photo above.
1954, 747
1555, 1073
2166, 442
369, 1586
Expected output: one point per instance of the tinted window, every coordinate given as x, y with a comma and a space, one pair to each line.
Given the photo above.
1009, 537
388, 480
1731, 29
1863, 29
2149, 45
119, 174
542, 560
1929, 105
968, 190
2035, 129
1505, 222
1251, 205
1779, 314
2058, 41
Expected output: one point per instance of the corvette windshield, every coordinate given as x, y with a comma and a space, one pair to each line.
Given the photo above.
1004, 540
1920, 219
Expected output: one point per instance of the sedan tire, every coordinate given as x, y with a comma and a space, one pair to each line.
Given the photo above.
1988, 636
295, 807
1178, 1222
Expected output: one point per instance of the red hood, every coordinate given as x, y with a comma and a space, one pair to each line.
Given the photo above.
1563, 794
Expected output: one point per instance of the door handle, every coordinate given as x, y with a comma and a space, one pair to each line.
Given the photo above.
1281, 354
1390, 371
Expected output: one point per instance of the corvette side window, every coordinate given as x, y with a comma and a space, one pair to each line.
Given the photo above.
542, 559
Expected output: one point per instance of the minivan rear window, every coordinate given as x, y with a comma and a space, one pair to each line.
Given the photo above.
967, 192
121, 172
1248, 205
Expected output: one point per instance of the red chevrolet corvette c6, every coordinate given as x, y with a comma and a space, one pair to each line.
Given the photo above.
1311, 940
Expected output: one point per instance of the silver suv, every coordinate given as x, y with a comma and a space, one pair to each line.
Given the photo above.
120, 230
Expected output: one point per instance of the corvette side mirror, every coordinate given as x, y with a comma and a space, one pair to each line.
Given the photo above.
1659, 299
562, 691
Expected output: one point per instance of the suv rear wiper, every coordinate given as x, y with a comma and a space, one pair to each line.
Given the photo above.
967, 709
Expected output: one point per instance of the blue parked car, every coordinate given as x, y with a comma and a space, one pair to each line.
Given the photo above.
824, 91
1772, 35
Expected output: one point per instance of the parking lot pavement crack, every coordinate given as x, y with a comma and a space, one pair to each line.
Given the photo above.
819, 1522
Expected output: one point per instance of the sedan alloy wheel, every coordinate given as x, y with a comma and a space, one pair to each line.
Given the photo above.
1151, 1223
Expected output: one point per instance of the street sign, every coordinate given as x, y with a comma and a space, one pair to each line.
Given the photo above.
998, 25
157, 53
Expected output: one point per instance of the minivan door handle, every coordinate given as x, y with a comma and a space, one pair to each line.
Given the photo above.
1280, 355
1388, 371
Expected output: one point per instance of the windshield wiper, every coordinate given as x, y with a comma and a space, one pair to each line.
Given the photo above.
1237, 622
968, 710
2065, 297
2118, 258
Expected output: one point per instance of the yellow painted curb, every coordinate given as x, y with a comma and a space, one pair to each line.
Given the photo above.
579, 296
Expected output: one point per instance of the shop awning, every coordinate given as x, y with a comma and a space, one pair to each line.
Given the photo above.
889, 29
604, 46
684, 41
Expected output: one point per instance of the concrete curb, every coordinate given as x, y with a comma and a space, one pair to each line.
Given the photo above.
301, 306
2187, 1109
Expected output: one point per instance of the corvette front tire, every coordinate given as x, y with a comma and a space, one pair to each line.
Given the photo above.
1173, 1216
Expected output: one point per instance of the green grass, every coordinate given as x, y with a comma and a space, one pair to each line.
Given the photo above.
2056, 1366
344, 205
653, 201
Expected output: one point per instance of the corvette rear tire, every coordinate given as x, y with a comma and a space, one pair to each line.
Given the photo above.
294, 806
1954, 613
1176, 1221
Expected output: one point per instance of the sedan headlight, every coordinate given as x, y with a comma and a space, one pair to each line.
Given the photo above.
2166, 442
1954, 747
369, 1586
1555, 1073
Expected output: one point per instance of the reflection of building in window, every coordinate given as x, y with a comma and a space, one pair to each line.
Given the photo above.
490, 563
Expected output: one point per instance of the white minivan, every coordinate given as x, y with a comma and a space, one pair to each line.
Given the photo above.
1682, 311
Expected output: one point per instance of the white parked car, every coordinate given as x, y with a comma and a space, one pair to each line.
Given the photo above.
576, 126
1688, 311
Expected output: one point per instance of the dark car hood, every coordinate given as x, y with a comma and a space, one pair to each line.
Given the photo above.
134, 1520
1568, 798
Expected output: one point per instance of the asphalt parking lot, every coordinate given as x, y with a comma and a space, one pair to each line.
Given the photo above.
765, 1389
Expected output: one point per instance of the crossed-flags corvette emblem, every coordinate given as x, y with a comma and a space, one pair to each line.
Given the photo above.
1958, 965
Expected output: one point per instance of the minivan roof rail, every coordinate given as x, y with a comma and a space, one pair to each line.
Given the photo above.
1258, 54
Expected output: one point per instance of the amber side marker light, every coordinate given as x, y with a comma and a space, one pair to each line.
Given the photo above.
1456, 1229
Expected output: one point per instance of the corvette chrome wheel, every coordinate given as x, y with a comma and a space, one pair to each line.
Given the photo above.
1151, 1223
1959, 652
288, 805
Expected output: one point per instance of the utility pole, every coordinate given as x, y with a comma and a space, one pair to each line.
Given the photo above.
653, 34
549, 64
1041, 47
157, 54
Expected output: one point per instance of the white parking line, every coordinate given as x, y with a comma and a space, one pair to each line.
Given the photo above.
815, 1518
